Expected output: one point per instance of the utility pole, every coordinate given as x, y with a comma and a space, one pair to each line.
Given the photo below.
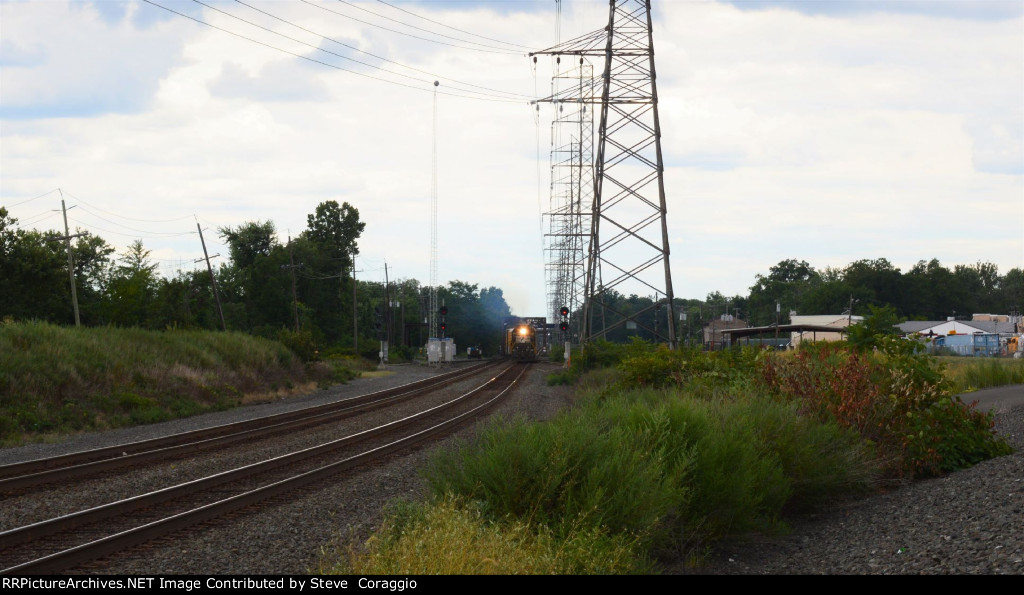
213, 280
71, 263
778, 312
387, 299
387, 318
355, 311
295, 296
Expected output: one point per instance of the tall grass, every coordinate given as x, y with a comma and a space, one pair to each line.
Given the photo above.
972, 373
419, 538
60, 379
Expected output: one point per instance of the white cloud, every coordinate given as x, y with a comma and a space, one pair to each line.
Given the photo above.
825, 137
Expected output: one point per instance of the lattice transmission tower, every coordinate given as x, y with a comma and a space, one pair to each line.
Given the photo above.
572, 187
627, 243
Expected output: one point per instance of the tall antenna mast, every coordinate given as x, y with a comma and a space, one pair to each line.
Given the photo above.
433, 227
628, 248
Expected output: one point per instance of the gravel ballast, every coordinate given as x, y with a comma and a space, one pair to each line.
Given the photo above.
969, 522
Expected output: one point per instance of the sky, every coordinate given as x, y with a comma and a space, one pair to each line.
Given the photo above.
822, 131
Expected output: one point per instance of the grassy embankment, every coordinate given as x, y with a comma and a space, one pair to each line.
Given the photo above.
667, 454
57, 380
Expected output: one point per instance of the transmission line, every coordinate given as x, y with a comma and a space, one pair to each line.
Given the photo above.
31, 199
408, 12
493, 50
267, 45
353, 48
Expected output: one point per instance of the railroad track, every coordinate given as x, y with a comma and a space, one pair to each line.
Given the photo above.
17, 478
70, 540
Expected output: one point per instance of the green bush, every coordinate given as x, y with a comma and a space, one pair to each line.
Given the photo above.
895, 397
674, 472
300, 342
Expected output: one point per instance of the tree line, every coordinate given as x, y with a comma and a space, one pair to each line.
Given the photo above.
302, 290
928, 291
306, 286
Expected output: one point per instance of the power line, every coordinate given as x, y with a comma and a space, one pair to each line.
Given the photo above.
31, 199
79, 199
450, 27
155, 235
351, 47
125, 226
300, 56
23, 221
493, 50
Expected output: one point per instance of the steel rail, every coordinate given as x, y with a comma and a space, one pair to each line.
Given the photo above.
104, 546
26, 474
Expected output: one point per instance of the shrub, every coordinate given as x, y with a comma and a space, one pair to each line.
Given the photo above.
894, 397
300, 342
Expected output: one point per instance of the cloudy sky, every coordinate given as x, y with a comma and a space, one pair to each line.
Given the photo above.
825, 131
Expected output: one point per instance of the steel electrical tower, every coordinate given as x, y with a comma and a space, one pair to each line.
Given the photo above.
572, 186
628, 248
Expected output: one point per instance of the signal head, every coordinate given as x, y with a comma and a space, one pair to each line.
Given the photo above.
564, 311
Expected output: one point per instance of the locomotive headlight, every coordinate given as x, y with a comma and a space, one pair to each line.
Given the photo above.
522, 331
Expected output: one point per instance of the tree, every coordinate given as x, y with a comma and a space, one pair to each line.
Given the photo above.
786, 284
248, 241
336, 229
875, 282
881, 322
131, 288
933, 292
1010, 295
333, 232
34, 279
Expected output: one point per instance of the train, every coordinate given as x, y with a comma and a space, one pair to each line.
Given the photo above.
525, 339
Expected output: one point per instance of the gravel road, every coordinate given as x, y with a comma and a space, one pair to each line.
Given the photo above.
969, 522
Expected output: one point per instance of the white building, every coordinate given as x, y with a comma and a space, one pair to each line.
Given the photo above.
837, 321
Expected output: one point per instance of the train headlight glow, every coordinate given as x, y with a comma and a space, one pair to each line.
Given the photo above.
522, 331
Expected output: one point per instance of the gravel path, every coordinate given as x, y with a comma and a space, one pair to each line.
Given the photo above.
969, 522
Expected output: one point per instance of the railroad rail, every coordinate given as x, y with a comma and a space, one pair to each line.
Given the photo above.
59, 544
17, 477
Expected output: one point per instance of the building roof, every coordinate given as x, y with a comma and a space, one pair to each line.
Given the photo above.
782, 328
982, 326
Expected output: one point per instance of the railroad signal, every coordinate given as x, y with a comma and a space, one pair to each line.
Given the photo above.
564, 325
444, 310
564, 311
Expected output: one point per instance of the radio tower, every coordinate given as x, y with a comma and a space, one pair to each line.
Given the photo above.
433, 229
628, 248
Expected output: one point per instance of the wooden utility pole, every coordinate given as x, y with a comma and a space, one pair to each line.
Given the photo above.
71, 262
213, 280
355, 312
295, 295
387, 299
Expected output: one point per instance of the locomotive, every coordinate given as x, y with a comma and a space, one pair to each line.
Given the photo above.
525, 339
523, 343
